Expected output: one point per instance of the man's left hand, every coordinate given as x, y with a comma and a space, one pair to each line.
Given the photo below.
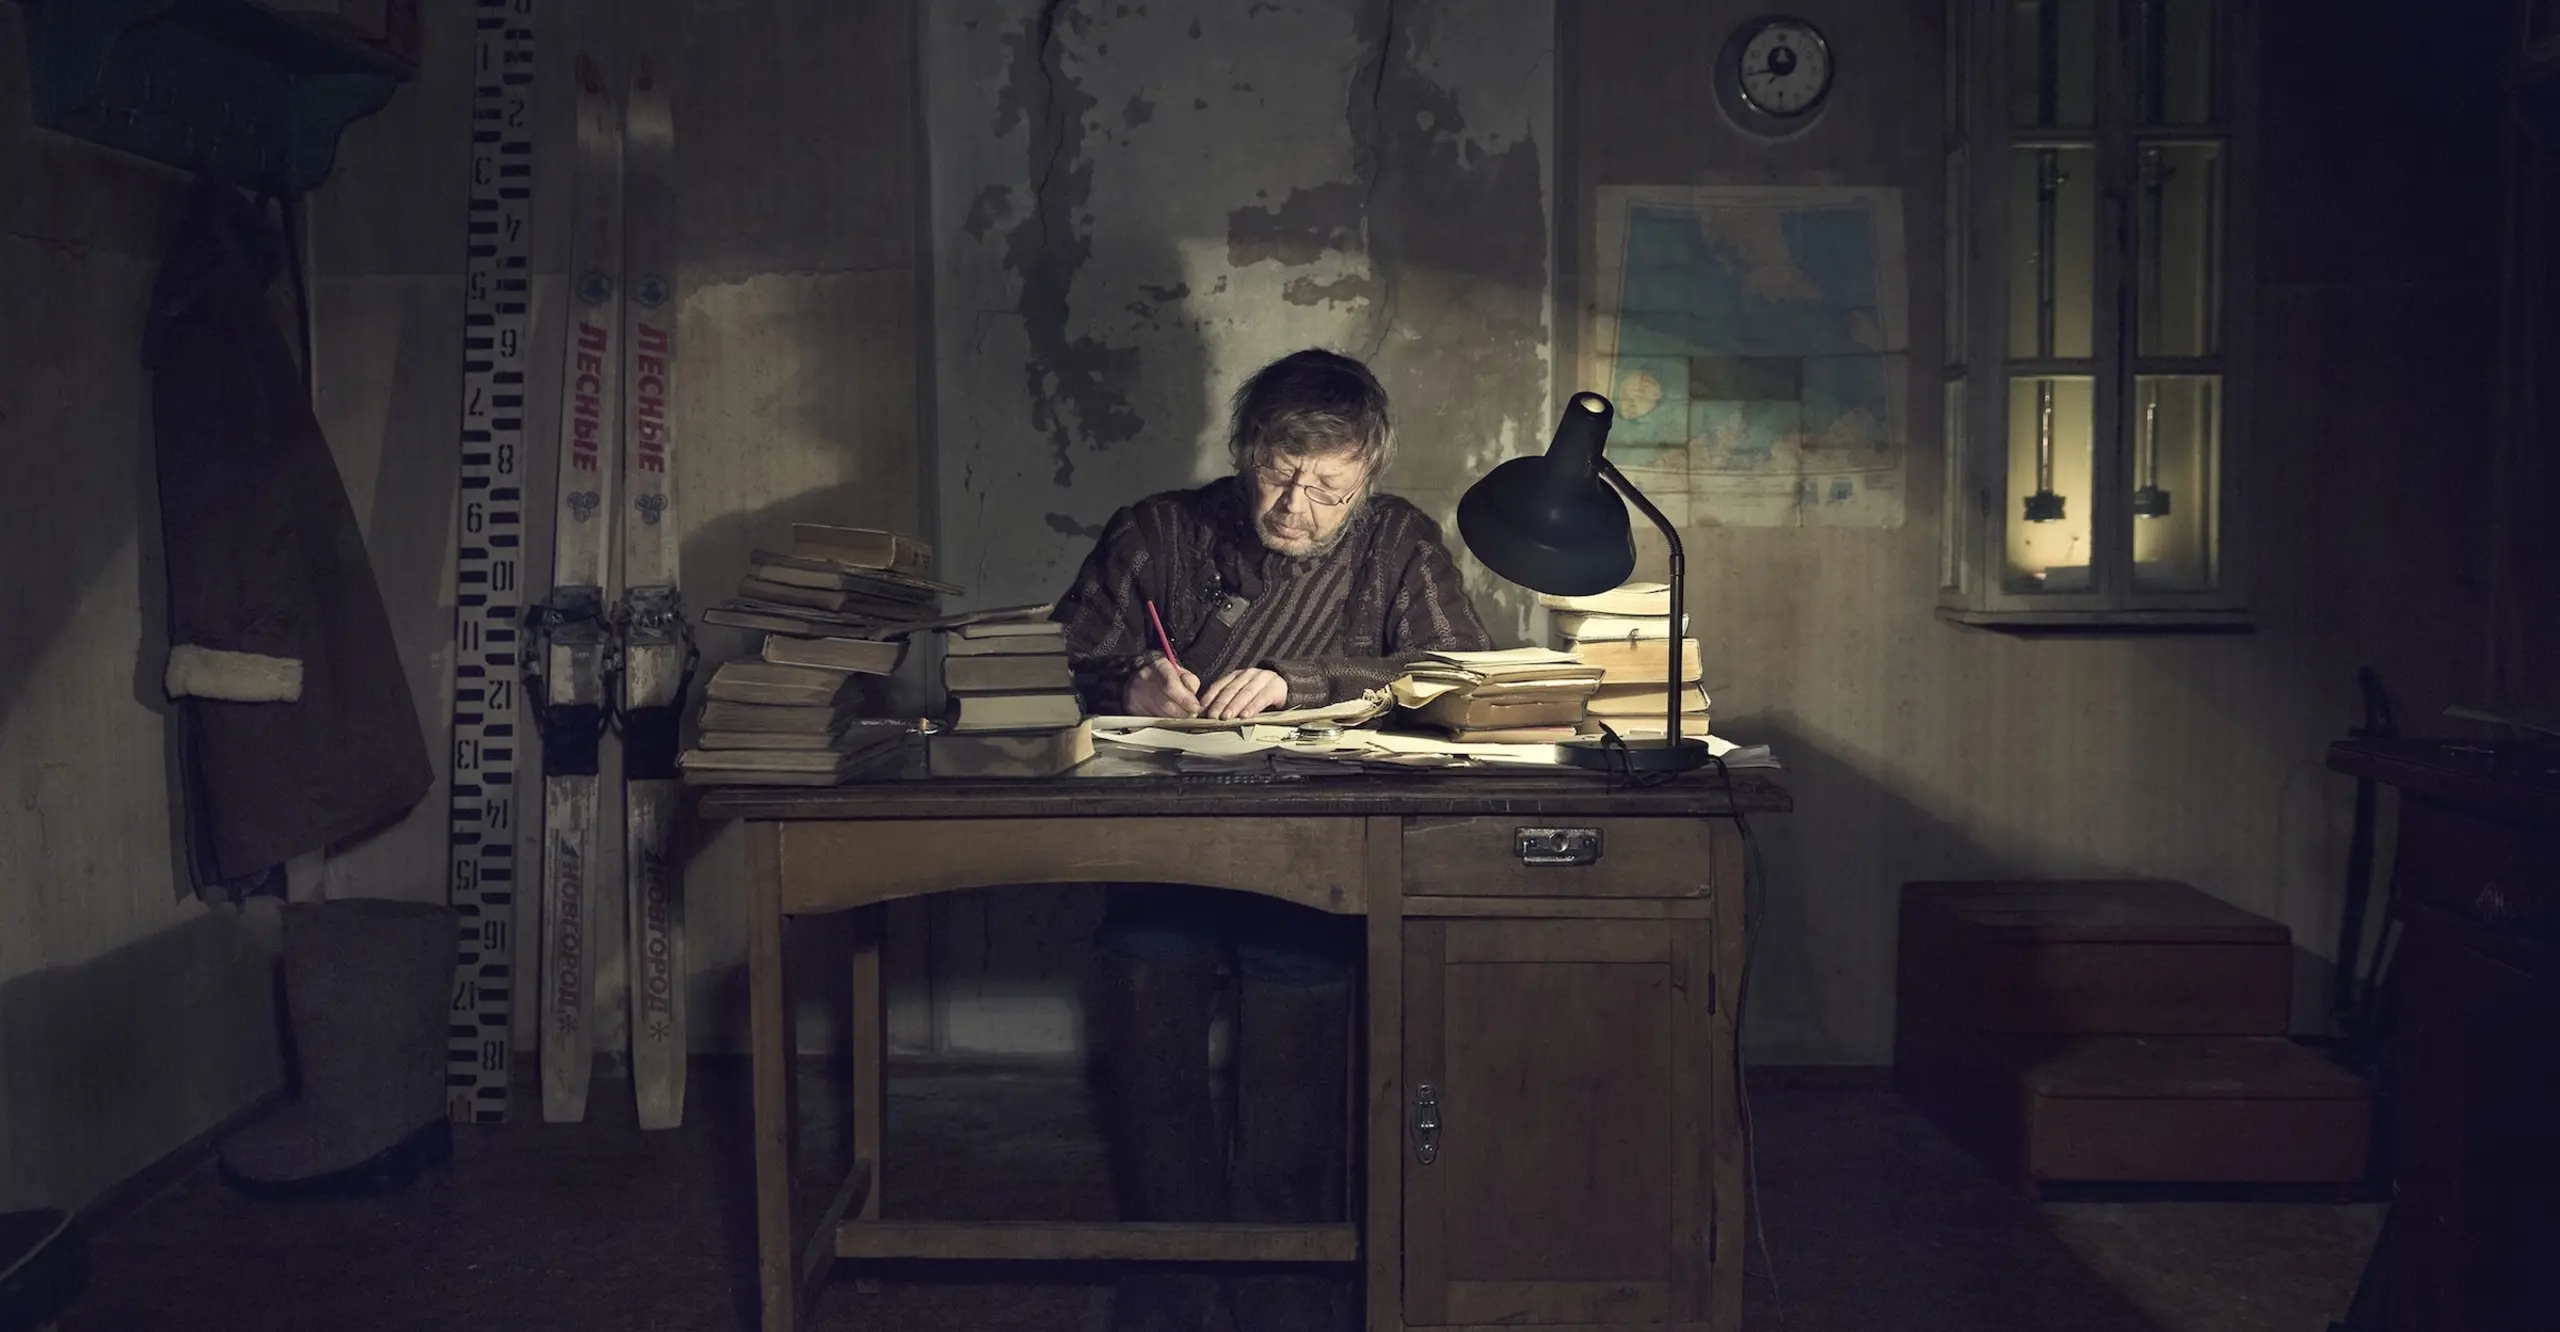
1243, 693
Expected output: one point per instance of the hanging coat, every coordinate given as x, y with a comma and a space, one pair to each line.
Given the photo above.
300, 727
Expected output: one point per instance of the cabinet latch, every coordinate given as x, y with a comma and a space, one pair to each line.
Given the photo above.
1556, 846
1426, 1123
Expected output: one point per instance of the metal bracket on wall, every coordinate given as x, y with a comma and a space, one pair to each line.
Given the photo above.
228, 89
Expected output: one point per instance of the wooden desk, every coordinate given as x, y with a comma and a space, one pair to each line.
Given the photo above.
1569, 1026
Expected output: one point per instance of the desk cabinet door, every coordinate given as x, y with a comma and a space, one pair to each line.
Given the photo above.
1556, 1164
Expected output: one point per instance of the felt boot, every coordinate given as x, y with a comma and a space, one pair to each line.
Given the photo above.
366, 983
1150, 1023
1292, 1079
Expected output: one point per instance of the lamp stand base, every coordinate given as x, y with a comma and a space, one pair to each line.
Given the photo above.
1655, 755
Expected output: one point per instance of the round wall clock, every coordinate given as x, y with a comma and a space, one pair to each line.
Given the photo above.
1774, 75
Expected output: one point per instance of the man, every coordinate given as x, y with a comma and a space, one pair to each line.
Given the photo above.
1289, 584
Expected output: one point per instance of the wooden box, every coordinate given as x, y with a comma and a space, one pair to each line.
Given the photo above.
2087, 958
2122, 1031
2165, 1109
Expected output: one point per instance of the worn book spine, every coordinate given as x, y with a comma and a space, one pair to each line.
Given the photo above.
724, 715
778, 695
832, 600
1007, 675
1002, 712
799, 574
862, 548
868, 657
1009, 753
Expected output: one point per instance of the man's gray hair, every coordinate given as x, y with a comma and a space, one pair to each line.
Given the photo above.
1308, 403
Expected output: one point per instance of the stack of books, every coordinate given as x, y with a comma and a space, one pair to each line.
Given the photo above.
837, 582
1517, 695
1014, 710
792, 722
1626, 633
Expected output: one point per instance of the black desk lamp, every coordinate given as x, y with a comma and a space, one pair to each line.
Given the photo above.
1552, 524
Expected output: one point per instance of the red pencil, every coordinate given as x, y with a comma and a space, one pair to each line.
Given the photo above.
1161, 637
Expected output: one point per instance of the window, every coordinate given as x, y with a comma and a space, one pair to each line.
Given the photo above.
2089, 151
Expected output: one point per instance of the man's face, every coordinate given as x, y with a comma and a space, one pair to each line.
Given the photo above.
1301, 502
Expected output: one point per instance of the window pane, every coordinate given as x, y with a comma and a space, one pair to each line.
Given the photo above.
2177, 441
2050, 445
2175, 84
2053, 195
2053, 62
1959, 235
2180, 266
1957, 502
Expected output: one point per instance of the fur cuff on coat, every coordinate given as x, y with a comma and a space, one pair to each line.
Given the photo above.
235, 677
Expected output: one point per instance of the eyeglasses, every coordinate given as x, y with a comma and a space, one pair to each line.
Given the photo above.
1282, 481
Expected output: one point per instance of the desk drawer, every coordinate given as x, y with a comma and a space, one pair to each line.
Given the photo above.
1484, 856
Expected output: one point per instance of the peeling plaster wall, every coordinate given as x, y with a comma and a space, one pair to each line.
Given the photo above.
1138, 204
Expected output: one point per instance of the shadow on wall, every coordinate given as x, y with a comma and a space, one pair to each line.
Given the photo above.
82, 426
151, 655
1817, 953
106, 1063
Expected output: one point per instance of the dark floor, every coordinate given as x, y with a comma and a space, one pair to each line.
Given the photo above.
1873, 1219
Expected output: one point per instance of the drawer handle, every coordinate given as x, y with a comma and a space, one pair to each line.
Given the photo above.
1426, 1123
1556, 846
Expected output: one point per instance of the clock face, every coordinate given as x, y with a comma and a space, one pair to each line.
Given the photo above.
1785, 68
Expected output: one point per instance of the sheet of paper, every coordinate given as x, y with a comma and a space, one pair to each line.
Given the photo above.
1401, 743
1413, 691
1219, 744
1519, 656
1245, 747
1349, 712
1741, 756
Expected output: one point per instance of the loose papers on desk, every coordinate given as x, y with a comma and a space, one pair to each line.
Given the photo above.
1346, 714
1280, 749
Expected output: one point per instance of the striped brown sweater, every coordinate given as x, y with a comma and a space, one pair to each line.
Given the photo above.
1332, 625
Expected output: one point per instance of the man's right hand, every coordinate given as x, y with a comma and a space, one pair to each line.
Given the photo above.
1162, 689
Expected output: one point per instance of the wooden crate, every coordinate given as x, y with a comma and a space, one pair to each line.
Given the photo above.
2089, 958
2159, 1109
2115, 1031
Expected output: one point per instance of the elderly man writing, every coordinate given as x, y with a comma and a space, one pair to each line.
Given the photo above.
1292, 583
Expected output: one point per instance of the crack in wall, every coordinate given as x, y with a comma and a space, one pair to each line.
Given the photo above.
1078, 386
1046, 54
1385, 316
64, 246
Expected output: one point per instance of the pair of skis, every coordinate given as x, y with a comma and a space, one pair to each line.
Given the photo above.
592, 664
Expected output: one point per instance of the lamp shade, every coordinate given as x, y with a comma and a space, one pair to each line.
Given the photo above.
1551, 523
